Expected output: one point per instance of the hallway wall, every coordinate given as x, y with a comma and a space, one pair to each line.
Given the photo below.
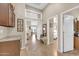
55, 9
20, 13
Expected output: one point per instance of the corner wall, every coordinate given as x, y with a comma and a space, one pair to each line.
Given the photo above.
20, 13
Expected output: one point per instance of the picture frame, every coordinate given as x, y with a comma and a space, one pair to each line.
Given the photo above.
20, 25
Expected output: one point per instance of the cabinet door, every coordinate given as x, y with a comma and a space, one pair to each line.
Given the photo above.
76, 42
10, 48
3, 14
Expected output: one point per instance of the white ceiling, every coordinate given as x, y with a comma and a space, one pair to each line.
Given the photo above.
39, 6
74, 12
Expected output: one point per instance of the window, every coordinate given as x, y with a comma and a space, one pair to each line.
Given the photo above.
32, 14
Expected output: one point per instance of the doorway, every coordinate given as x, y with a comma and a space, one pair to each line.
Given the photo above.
34, 32
70, 30
52, 29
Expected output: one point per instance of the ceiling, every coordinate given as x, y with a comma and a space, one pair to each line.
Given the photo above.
74, 12
39, 6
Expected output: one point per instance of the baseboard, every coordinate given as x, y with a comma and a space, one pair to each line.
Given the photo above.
59, 51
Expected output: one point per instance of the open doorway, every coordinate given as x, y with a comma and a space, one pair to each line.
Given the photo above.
52, 29
32, 29
34, 32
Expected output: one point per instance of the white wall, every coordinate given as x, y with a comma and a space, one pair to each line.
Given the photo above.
56, 9
20, 13
3, 31
60, 33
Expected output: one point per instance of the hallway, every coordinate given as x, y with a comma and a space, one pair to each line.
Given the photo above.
37, 48
51, 27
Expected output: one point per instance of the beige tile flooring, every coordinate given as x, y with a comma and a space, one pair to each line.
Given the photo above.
37, 48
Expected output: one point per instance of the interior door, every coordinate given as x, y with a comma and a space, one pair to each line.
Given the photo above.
51, 34
68, 33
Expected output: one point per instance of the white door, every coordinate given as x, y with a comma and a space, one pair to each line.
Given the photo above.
51, 36
68, 33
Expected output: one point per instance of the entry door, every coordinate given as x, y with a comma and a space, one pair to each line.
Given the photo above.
68, 33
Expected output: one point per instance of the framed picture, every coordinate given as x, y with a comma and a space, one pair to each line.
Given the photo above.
20, 25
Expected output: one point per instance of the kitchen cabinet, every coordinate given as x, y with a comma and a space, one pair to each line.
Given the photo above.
76, 25
7, 16
10, 48
76, 42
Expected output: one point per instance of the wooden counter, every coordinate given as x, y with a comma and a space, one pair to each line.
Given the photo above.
76, 42
10, 46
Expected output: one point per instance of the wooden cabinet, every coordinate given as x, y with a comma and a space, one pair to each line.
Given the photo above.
76, 26
76, 42
10, 48
7, 16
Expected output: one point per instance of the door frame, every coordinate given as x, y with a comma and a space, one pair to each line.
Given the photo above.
48, 28
61, 17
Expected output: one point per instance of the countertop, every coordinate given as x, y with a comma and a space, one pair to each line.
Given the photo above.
10, 38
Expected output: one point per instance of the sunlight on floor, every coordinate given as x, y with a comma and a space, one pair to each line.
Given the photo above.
33, 39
